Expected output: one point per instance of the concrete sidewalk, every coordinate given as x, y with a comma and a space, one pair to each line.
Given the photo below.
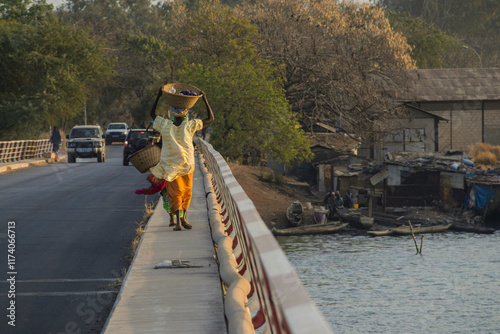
170, 299
11, 166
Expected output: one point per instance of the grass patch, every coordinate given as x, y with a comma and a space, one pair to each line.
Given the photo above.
485, 154
273, 177
149, 209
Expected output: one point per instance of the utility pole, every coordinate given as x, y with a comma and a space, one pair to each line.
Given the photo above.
85, 112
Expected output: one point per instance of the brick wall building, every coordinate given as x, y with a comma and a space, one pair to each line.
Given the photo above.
467, 100
451, 109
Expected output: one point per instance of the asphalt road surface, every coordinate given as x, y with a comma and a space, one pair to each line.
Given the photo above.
65, 235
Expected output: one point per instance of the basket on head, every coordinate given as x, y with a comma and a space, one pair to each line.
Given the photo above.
181, 101
146, 158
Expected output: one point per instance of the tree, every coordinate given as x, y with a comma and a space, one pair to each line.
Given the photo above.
48, 70
252, 116
336, 61
133, 32
475, 22
431, 48
24, 11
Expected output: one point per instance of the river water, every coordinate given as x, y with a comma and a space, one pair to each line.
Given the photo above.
365, 284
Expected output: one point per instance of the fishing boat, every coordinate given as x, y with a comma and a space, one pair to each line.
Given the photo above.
464, 227
328, 228
295, 213
379, 233
355, 218
406, 230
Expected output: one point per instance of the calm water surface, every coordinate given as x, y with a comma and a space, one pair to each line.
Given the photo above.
365, 284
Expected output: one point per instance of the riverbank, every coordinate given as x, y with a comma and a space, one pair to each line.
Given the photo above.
272, 197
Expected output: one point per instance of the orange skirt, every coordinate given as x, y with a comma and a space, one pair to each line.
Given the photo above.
179, 193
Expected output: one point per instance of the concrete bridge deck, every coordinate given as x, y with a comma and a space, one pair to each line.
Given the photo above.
173, 300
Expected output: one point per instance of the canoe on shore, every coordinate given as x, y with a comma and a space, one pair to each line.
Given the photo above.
472, 228
295, 213
309, 229
355, 218
378, 233
405, 230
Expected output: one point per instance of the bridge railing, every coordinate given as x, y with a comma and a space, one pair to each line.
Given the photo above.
17, 150
263, 290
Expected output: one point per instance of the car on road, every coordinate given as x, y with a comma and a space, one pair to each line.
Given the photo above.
116, 132
86, 141
136, 139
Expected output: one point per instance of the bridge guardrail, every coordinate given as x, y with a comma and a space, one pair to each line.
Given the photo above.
274, 299
17, 150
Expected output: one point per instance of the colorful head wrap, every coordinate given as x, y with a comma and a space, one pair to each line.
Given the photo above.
177, 112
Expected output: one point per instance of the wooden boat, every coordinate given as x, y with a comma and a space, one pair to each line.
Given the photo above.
295, 213
309, 229
355, 218
463, 227
405, 230
378, 233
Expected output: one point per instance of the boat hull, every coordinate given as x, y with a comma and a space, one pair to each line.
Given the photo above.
310, 229
406, 230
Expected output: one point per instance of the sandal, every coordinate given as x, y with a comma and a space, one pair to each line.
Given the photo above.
185, 224
177, 228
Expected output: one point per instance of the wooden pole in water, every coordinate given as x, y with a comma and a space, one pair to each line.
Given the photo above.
414, 239
421, 244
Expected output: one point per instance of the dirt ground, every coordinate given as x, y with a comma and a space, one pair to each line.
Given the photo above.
271, 199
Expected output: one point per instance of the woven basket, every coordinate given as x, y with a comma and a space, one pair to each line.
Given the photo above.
146, 158
181, 101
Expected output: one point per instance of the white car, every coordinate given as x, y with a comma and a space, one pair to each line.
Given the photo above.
116, 132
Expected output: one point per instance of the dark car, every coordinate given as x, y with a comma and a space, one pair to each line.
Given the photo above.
136, 139
86, 141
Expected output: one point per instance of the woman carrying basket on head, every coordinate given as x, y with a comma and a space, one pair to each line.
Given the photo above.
174, 172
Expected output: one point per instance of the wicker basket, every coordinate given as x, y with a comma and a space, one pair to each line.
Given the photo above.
181, 101
146, 158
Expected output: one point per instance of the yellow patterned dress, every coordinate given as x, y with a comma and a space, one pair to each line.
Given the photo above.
177, 152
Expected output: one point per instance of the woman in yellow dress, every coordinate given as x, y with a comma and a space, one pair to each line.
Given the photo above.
176, 165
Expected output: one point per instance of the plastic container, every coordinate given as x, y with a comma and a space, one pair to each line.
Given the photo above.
356, 206
467, 162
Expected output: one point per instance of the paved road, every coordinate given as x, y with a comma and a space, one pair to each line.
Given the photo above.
74, 224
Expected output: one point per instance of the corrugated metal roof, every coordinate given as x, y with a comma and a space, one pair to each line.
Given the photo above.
456, 84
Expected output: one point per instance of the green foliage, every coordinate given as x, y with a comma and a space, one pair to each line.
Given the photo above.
274, 177
474, 22
429, 45
150, 56
49, 70
133, 32
252, 116
24, 11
